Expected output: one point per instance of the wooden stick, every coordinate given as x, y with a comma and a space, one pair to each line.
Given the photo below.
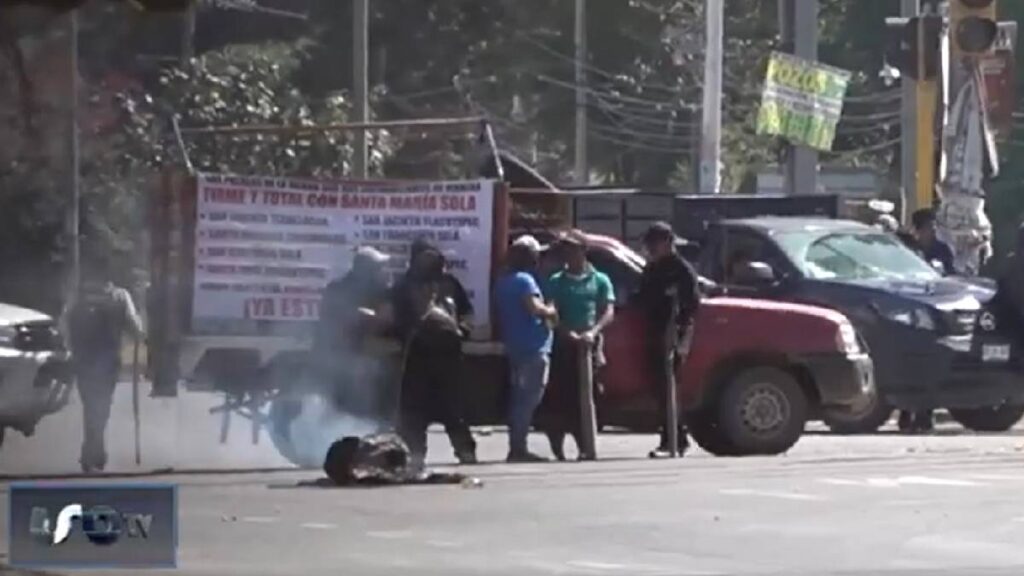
135, 403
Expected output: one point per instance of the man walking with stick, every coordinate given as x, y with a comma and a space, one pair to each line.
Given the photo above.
99, 316
669, 293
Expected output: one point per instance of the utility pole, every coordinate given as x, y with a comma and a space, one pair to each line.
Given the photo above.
582, 169
188, 34
711, 124
74, 212
360, 49
926, 89
909, 128
799, 31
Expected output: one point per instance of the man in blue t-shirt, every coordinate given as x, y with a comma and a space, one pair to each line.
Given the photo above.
525, 323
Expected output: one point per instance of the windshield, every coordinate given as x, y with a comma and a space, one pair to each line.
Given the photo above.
854, 256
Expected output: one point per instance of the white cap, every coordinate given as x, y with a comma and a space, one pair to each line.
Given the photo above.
888, 223
528, 242
371, 254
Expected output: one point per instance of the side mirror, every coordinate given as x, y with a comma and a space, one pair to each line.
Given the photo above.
937, 265
754, 274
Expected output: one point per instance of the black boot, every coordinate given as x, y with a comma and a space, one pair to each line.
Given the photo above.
557, 442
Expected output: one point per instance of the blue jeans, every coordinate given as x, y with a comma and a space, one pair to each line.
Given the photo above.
528, 378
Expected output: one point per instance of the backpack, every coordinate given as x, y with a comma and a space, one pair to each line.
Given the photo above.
96, 324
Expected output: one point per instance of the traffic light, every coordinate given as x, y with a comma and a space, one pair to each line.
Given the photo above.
914, 46
973, 26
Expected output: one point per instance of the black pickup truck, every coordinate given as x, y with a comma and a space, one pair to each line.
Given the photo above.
934, 341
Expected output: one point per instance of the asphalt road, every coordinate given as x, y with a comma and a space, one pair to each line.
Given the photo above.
888, 504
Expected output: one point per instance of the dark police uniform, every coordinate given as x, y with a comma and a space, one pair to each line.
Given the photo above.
658, 280
339, 338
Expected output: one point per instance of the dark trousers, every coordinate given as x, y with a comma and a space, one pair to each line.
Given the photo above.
656, 359
430, 393
560, 410
921, 421
96, 378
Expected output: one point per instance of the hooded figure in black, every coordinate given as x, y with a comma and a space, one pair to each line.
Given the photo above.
426, 313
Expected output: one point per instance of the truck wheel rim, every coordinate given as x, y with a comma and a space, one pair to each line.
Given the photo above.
765, 409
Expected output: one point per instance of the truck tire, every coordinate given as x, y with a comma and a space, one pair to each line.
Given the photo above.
865, 421
705, 432
991, 419
762, 411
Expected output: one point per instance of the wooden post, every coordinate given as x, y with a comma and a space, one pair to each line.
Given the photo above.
671, 402
136, 416
588, 411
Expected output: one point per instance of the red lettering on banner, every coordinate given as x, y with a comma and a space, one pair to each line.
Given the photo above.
224, 195
290, 308
458, 203
322, 200
257, 308
276, 198
363, 202
299, 308
413, 202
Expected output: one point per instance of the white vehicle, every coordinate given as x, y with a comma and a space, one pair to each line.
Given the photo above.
35, 375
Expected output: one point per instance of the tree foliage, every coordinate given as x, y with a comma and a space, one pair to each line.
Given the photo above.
511, 61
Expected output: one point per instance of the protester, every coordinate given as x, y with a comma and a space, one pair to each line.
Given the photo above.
452, 295
424, 315
585, 303
928, 244
524, 321
97, 320
346, 310
666, 276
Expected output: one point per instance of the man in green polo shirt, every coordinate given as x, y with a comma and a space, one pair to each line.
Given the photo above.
585, 301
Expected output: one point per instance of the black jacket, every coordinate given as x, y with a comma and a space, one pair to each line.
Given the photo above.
339, 311
451, 295
656, 282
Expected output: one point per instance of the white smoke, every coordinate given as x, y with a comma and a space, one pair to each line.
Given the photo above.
318, 425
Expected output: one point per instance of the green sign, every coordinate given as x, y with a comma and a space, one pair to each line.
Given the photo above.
802, 101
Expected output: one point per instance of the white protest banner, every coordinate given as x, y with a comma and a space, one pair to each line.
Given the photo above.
266, 247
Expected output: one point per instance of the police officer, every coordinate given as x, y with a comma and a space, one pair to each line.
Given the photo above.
346, 310
425, 314
99, 316
666, 276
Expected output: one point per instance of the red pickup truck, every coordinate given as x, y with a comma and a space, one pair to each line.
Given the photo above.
756, 372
